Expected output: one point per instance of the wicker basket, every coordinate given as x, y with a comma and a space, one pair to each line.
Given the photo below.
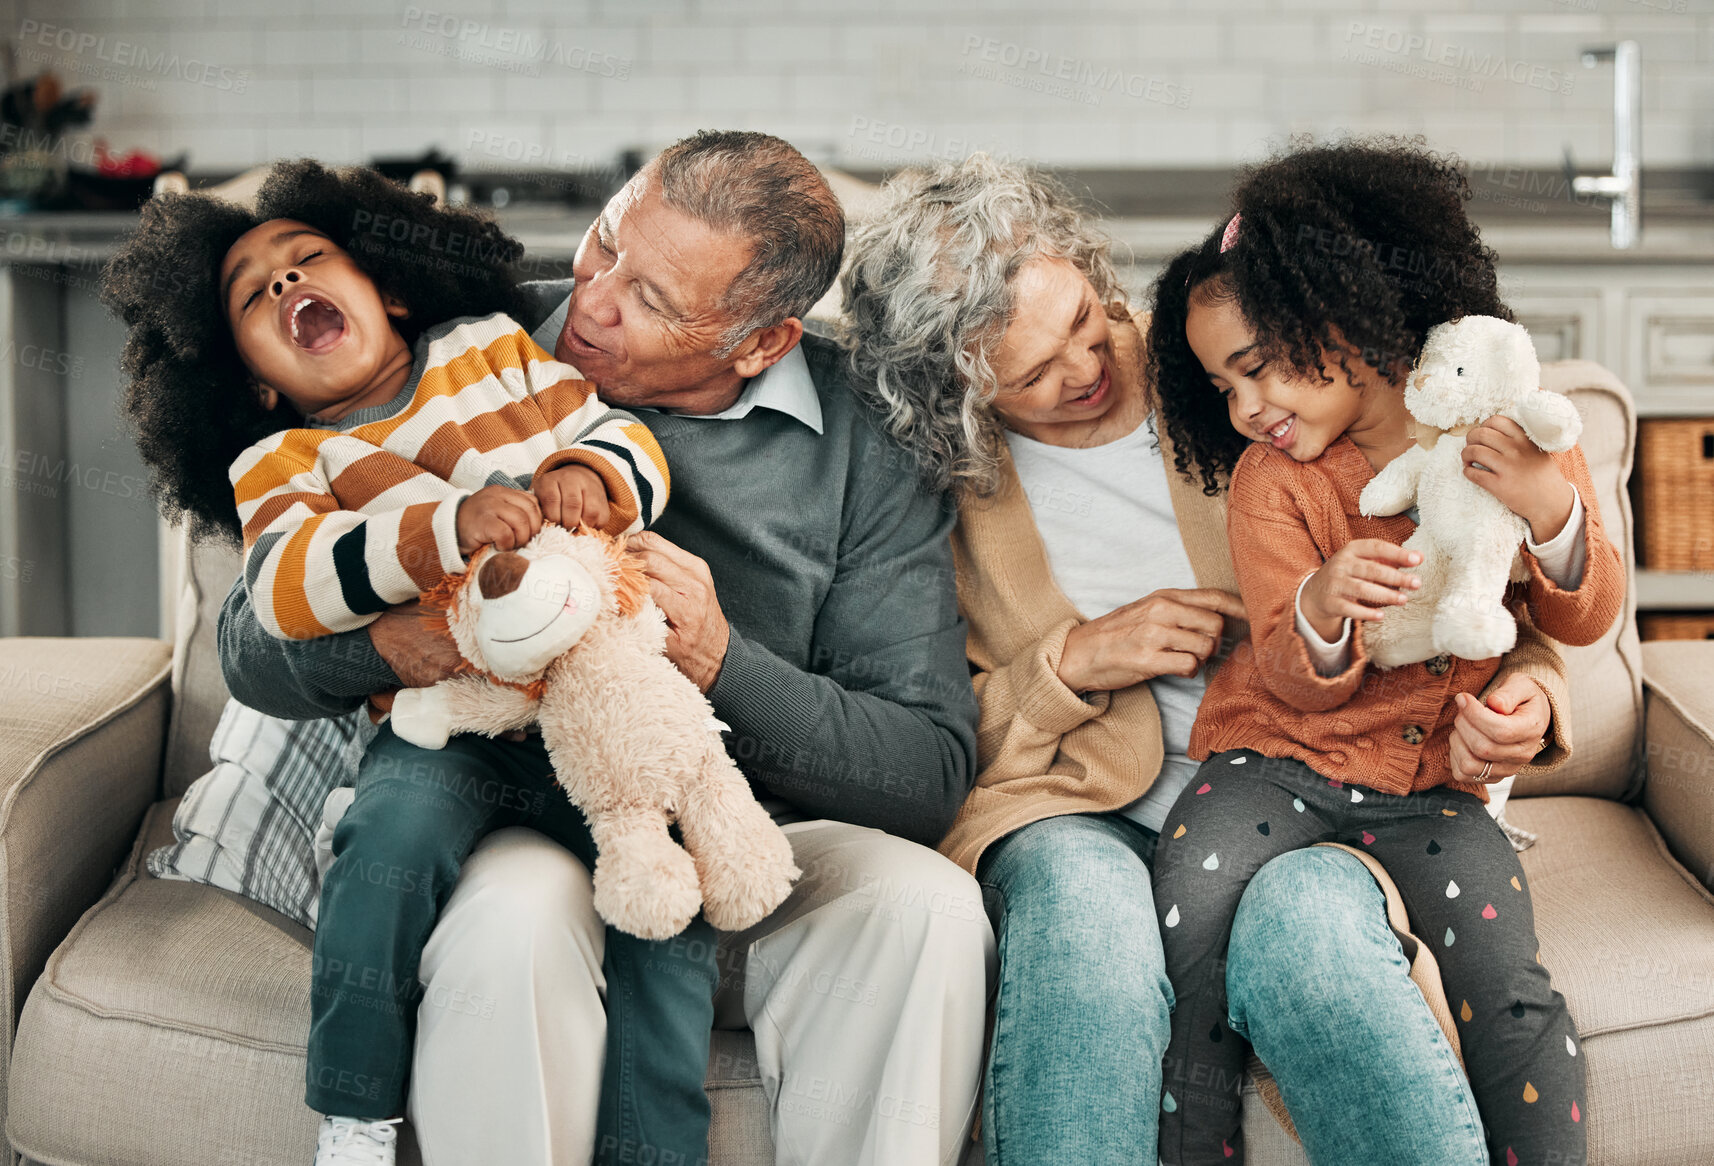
1676, 465
1676, 625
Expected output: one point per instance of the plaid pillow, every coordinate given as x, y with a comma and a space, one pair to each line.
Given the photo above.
249, 824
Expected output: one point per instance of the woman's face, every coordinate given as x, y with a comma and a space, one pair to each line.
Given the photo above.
1054, 365
1265, 401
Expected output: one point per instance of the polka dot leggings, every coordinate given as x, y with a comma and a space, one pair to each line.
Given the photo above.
1466, 895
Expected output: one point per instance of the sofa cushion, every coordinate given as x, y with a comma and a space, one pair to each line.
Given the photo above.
172, 1016
173, 1020
206, 572
1629, 938
1605, 677
1679, 796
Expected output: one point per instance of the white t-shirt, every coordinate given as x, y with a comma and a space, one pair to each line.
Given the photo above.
1106, 519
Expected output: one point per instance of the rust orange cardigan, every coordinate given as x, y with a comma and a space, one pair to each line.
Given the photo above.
1386, 730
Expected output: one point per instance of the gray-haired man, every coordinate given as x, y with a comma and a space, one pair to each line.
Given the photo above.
807, 583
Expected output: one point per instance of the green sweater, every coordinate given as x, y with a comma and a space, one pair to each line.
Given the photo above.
845, 682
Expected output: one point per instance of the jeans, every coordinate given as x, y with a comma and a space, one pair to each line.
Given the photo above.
1518, 1040
415, 816
1312, 962
1317, 983
1081, 1015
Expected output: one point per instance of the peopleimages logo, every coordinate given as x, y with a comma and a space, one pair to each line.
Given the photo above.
138, 58
1364, 43
1057, 75
514, 49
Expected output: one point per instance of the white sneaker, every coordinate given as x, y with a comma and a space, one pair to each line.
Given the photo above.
351, 1141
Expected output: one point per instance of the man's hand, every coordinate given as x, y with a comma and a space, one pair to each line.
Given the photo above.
418, 655
501, 515
1507, 731
1501, 459
1165, 633
574, 494
683, 588
1362, 579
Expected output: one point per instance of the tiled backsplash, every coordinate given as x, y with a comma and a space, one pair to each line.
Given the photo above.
570, 83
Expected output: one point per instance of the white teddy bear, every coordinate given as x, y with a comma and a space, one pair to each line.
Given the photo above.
1470, 369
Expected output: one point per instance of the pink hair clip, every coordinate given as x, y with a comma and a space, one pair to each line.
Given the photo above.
1227, 237
1230, 235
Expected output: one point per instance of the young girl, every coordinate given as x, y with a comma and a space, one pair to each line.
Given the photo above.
1281, 347
347, 350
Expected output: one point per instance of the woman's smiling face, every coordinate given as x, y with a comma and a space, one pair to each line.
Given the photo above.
308, 322
1054, 364
1266, 401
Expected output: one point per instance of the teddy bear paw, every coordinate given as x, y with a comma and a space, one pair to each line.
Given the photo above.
1472, 633
422, 717
646, 885
742, 890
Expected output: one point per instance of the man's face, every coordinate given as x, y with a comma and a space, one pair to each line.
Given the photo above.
647, 312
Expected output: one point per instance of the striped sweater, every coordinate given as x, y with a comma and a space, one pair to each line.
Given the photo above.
340, 524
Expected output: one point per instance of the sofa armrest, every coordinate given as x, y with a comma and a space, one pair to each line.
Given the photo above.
82, 726
1678, 678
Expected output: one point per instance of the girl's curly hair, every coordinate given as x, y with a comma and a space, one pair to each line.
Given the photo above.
187, 397
1353, 250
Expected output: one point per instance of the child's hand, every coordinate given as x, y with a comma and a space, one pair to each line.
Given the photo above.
501, 515
1499, 458
573, 494
1362, 579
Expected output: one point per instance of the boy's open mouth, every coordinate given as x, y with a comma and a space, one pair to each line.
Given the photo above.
313, 323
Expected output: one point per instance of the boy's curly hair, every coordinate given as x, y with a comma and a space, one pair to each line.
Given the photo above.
187, 397
1354, 249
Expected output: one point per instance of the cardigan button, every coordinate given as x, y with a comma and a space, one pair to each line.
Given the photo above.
1439, 665
1412, 734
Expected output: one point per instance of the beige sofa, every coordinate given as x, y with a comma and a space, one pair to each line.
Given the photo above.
163, 1024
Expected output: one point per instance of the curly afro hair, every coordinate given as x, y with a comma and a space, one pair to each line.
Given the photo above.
1354, 249
187, 396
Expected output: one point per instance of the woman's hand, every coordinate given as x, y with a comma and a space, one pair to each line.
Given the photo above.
1360, 581
1501, 459
1504, 735
1166, 633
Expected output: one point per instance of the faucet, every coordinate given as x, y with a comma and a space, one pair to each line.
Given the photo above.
1623, 186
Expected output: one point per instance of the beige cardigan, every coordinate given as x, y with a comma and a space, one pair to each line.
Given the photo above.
1041, 749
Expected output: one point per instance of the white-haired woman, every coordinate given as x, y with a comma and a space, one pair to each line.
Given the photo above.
984, 318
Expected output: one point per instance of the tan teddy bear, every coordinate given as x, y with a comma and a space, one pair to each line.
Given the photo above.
562, 633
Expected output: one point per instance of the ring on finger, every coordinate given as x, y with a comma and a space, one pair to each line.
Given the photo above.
1487, 768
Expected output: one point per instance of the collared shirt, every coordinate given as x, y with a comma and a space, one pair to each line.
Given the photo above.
784, 386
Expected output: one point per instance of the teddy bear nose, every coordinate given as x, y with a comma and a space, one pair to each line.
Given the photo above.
501, 574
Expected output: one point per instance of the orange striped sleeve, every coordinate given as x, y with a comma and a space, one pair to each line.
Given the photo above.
292, 611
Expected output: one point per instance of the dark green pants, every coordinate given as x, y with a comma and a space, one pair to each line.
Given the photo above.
416, 815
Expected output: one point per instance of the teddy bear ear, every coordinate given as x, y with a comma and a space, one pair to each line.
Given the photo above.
630, 584
440, 602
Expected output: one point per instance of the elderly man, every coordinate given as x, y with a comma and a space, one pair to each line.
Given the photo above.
807, 583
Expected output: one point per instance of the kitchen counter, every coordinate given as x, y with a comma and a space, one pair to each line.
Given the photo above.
551, 233
74, 507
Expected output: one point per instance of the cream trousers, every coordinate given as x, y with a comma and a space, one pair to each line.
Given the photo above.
866, 992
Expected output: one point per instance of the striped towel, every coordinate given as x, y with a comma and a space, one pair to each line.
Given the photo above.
249, 824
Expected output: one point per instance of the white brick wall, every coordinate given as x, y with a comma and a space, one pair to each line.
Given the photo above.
870, 82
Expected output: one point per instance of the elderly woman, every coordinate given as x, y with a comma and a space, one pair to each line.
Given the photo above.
986, 321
